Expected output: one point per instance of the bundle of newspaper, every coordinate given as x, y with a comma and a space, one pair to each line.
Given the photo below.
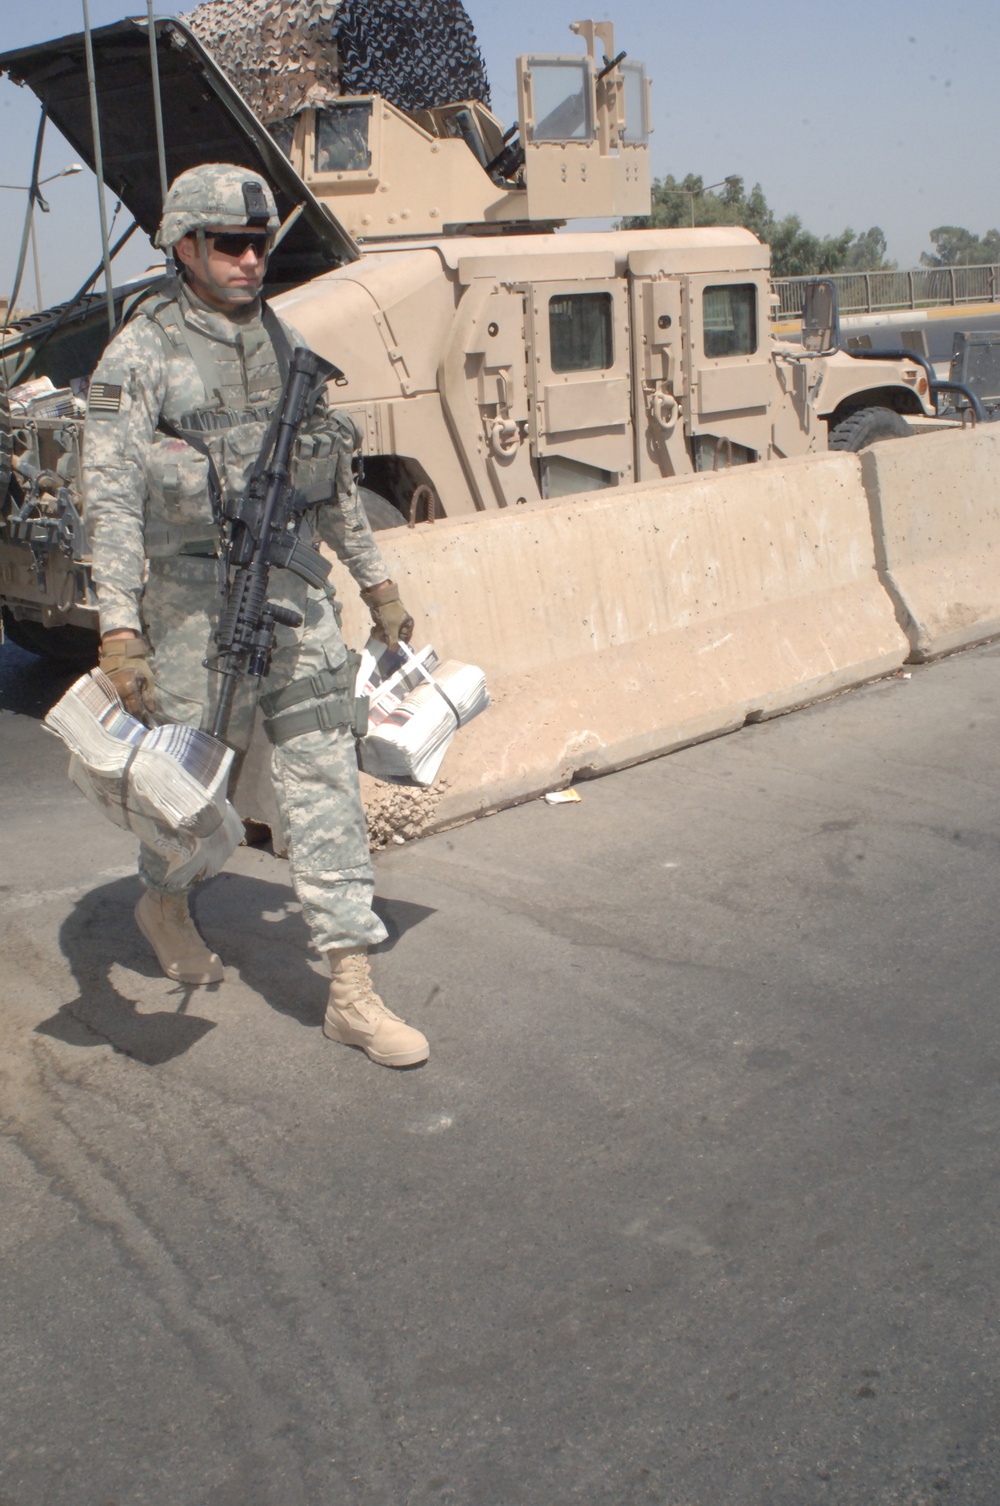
40, 398
166, 784
416, 705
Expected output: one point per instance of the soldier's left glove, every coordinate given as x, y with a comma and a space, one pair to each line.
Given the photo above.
393, 622
124, 662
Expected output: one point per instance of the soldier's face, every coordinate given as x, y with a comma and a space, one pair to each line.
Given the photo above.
223, 277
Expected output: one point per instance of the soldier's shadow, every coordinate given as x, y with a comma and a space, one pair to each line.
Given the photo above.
253, 924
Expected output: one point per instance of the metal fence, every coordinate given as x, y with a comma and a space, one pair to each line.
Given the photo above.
874, 292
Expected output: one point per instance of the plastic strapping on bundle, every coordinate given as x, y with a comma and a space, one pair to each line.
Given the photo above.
415, 660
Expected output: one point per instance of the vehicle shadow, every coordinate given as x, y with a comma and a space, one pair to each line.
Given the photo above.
253, 923
30, 685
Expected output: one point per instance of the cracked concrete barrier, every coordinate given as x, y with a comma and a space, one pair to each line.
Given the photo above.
613, 628
935, 504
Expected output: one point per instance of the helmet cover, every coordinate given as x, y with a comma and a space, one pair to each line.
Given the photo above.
216, 195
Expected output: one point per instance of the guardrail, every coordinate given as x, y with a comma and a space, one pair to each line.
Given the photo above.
875, 292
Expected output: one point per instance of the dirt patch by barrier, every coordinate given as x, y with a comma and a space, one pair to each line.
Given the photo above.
397, 813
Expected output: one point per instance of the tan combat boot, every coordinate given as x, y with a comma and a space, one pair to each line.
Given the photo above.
356, 1015
165, 921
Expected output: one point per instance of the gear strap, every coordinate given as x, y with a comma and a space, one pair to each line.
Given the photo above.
337, 708
279, 340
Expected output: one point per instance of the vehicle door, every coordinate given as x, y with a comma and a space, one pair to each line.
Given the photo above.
658, 373
581, 411
729, 372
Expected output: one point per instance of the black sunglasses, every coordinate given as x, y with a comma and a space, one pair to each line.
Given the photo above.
237, 242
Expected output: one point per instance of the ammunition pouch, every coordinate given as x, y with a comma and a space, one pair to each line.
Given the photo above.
336, 709
168, 540
208, 420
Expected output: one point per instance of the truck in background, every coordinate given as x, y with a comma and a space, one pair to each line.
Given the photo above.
491, 359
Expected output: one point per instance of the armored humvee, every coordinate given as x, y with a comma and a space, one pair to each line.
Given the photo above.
491, 358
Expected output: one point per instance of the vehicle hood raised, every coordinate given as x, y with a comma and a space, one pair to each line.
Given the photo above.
204, 120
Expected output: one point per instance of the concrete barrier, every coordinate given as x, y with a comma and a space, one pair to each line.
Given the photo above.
613, 628
935, 505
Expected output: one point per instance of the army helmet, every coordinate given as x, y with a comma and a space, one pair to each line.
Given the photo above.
216, 195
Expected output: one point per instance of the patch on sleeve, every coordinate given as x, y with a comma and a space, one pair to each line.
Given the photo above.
105, 397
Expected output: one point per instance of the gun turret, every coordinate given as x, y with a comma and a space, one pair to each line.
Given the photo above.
384, 111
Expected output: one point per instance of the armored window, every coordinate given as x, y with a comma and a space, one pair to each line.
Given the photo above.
730, 319
283, 132
560, 98
342, 138
581, 332
636, 121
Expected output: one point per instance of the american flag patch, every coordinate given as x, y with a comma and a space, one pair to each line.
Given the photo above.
104, 397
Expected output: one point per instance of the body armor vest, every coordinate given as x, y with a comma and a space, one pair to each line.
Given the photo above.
206, 451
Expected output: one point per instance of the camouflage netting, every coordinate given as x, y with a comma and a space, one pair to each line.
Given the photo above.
283, 55
416, 54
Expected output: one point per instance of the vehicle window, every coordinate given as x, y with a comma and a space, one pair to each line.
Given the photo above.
581, 334
636, 123
560, 93
342, 138
730, 318
283, 132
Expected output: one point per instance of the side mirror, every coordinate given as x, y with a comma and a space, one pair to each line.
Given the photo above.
820, 316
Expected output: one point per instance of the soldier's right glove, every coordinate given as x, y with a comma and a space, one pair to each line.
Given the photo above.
123, 660
392, 621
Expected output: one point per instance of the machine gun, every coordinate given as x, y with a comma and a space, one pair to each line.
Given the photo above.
264, 524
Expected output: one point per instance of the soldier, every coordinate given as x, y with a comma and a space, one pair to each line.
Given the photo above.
202, 359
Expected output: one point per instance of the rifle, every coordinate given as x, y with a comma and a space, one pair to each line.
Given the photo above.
264, 534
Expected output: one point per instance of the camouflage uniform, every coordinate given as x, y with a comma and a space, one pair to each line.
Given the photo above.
155, 568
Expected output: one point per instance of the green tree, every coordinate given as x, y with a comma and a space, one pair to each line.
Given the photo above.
955, 247
795, 251
685, 201
866, 253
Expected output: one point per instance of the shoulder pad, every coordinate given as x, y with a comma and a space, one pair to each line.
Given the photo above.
149, 300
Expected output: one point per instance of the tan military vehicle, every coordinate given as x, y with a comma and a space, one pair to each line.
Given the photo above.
492, 357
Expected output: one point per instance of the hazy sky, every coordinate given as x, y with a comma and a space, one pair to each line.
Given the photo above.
853, 112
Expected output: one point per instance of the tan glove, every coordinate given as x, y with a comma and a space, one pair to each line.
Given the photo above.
393, 622
123, 660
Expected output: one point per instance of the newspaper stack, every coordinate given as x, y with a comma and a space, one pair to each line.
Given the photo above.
416, 705
40, 398
166, 784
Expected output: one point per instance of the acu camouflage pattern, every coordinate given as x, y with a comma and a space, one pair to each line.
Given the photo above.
154, 539
207, 196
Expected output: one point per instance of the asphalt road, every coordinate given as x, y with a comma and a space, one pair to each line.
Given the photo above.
939, 333
694, 1204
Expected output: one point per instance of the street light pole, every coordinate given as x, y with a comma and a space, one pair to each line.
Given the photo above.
34, 197
66, 172
34, 257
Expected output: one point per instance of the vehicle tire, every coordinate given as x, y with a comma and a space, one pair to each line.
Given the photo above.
69, 645
867, 426
381, 513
